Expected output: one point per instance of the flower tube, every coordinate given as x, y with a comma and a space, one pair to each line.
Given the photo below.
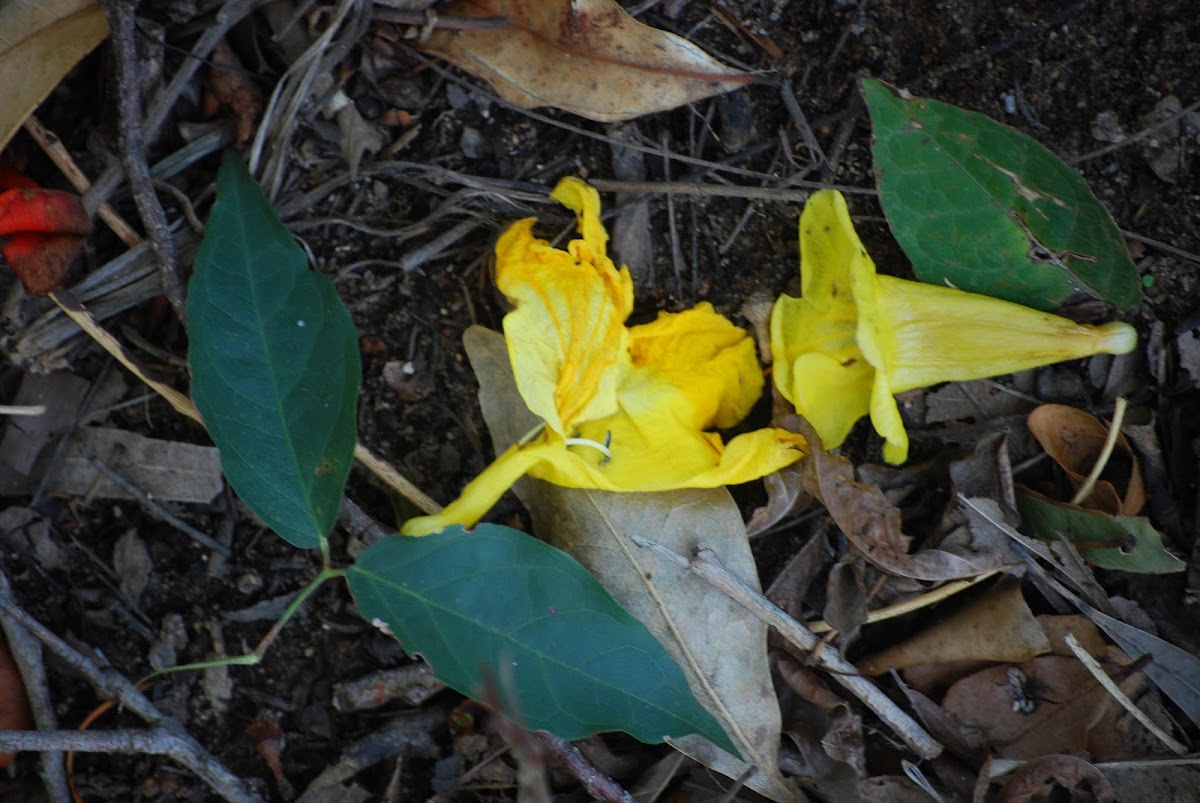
855, 338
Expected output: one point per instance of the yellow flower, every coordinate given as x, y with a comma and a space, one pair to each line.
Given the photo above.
855, 338
624, 409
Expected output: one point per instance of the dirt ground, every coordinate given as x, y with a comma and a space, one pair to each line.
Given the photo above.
1066, 73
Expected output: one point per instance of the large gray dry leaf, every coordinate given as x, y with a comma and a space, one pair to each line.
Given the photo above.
720, 647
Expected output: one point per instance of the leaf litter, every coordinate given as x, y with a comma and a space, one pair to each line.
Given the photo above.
909, 522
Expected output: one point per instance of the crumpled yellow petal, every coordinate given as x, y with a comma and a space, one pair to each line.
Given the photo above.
566, 334
744, 458
625, 409
703, 354
857, 338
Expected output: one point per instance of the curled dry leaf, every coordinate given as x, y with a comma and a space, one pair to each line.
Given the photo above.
584, 56
1074, 439
1048, 705
785, 496
1036, 780
233, 86
872, 523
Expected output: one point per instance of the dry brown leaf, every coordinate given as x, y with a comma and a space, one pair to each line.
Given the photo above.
40, 44
720, 647
235, 88
1084, 629
1066, 709
785, 496
872, 523
1037, 779
584, 56
996, 626
1074, 440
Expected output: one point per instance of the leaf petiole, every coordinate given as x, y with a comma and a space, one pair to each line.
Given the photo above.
255, 657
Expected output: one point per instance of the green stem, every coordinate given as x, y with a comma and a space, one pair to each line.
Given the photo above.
254, 658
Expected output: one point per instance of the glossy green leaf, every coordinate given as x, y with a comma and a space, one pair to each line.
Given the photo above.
500, 602
1137, 547
275, 365
982, 207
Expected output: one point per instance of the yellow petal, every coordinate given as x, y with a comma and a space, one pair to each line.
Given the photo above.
566, 334
582, 199
482, 492
925, 334
642, 462
746, 457
818, 364
703, 354
829, 249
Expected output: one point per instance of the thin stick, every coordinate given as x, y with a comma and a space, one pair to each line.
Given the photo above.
156, 741
395, 480
52, 146
699, 189
158, 511
78, 313
1104, 680
1145, 132
27, 655
909, 605
184, 749
22, 409
133, 152
705, 564
1114, 430
1170, 249
598, 785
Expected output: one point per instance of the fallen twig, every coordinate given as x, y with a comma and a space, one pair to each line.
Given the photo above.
1115, 692
181, 746
133, 152
598, 785
158, 511
27, 655
58, 153
704, 563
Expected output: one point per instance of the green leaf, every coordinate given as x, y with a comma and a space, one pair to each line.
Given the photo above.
982, 207
275, 365
571, 660
1136, 546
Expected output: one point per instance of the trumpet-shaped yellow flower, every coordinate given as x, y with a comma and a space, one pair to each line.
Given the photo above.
855, 338
624, 409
